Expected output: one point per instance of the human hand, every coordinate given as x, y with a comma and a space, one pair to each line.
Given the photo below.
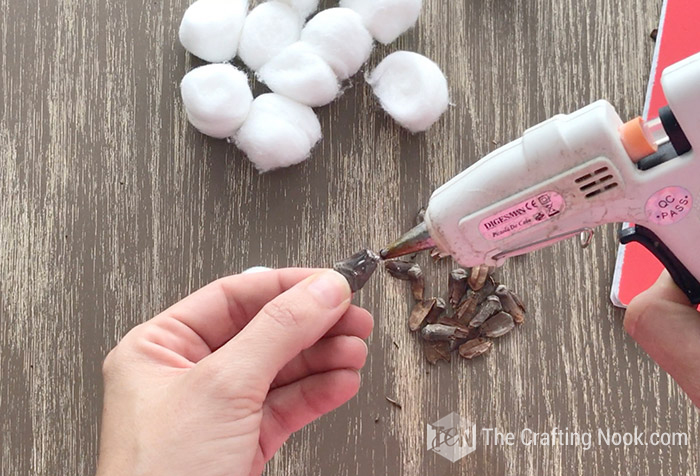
667, 326
217, 383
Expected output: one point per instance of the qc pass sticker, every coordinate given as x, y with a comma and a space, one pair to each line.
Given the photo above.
669, 205
522, 216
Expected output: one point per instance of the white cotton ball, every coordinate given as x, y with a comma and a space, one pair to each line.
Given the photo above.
278, 132
268, 29
256, 269
339, 37
411, 88
210, 29
217, 99
386, 19
300, 74
304, 7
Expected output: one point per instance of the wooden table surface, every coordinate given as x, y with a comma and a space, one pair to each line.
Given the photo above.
113, 207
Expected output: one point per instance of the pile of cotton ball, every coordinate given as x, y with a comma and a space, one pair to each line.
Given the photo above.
303, 64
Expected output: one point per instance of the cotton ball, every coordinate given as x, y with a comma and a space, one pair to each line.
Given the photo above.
300, 74
339, 37
411, 88
210, 29
217, 99
386, 19
279, 132
256, 269
304, 7
267, 30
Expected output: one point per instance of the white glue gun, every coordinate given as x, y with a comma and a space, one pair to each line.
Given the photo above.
574, 172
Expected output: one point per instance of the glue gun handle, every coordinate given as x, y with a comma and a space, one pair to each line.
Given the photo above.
683, 278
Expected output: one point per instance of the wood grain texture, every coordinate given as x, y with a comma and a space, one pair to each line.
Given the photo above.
113, 207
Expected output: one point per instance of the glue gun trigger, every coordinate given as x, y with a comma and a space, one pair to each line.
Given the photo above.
683, 278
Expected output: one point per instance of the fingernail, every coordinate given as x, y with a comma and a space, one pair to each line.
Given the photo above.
330, 289
630, 325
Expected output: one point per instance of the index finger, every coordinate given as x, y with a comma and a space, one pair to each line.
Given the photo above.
667, 288
219, 310
667, 327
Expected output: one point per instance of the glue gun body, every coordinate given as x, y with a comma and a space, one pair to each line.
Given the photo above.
575, 172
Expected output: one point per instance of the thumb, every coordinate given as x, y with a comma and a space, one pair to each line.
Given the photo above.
290, 323
667, 327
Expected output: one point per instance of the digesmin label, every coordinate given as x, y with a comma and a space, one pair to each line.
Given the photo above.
669, 205
522, 216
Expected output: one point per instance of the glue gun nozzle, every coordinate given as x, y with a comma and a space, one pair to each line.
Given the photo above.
415, 240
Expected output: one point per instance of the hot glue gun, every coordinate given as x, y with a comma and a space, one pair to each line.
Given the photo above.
574, 172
